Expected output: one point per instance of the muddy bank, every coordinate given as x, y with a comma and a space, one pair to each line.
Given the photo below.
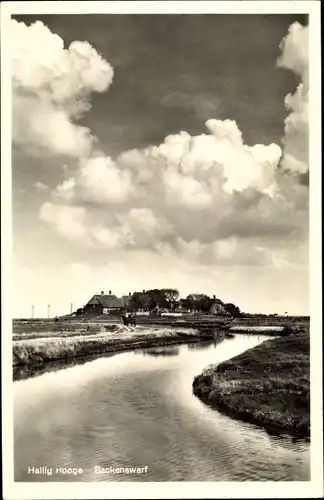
268, 385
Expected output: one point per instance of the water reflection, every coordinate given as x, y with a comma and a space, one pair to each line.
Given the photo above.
159, 351
199, 346
23, 372
139, 410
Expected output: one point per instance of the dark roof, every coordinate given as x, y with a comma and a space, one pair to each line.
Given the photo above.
196, 296
126, 300
106, 301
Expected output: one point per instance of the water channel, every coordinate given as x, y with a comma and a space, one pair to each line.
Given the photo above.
136, 409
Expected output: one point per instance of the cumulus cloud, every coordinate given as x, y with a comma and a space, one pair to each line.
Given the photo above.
68, 221
295, 56
99, 181
40, 186
51, 88
209, 198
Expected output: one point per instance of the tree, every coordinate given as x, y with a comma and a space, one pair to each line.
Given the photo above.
198, 302
205, 303
191, 303
162, 298
233, 310
140, 300
171, 296
157, 299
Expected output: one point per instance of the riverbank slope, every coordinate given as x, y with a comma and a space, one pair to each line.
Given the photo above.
34, 349
268, 385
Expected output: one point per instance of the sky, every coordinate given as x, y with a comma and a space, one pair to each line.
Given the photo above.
160, 151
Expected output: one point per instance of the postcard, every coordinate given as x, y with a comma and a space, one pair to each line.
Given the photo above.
161, 249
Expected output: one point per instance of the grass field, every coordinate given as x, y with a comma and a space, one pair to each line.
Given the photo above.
268, 385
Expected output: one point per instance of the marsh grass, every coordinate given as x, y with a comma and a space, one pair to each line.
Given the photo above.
44, 349
267, 385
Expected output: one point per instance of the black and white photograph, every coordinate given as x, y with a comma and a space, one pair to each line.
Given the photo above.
163, 232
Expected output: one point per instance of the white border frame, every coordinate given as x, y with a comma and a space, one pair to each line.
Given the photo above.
67, 490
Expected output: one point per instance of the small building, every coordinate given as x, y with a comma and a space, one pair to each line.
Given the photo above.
126, 300
196, 297
103, 304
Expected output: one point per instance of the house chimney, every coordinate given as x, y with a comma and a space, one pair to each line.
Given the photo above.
109, 292
102, 292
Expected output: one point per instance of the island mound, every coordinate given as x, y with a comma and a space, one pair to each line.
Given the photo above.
268, 385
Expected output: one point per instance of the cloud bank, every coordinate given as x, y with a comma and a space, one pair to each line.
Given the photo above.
51, 88
210, 198
295, 56
205, 196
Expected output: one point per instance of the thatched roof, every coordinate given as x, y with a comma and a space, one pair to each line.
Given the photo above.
109, 301
218, 308
196, 296
126, 300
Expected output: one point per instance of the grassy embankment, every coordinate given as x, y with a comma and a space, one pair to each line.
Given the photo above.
45, 348
268, 385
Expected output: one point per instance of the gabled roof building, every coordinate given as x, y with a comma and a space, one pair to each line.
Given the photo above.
103, 304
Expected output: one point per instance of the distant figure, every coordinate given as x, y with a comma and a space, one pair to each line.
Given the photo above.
132, 320
128, 320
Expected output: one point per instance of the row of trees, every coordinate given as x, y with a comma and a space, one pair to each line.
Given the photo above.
168, 299
164, 298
